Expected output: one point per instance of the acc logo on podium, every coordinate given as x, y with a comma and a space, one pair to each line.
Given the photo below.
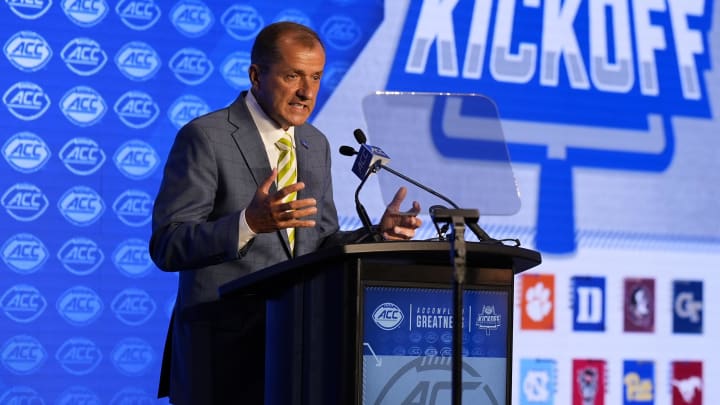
387, 316
28, 51
24, 253
22, 354
26, 152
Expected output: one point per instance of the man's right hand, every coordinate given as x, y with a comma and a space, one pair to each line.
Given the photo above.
268, 213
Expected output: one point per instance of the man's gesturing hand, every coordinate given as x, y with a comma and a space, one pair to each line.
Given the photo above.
268, 213
396, 225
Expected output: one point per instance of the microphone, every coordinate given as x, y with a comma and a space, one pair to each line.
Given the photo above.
359, 136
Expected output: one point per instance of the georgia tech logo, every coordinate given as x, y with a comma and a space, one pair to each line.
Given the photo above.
22, 354
192, 18
136, 109
81, 205
234, 69
137, 61
82, 156
186, 108
79, 356
80, 256
24, 253
134, 207
133, 306
28, 51
23, 303
388, 316
85, 13
242, 22
84, 56
25, 202
191, 66
132, 356
79, 305
132, 258
26, 101
136, 159
29, 10
137, 14
83, 106
341, 32
26, 152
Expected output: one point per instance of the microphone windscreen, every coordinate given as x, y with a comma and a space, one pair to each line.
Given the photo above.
360, 136
347, 150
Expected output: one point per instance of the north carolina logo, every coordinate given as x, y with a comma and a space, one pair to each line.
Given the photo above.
79, 356
192, 18
134, 207
234, 69
22, 354
85, 13
24, 253
132, 356
242, 22
83, 106
186, 108
81, 205
136, 109
29, 10
137, 61
191, 66
23, 303
79, 305
28, 51
82, 156
138, 15
26, 101
387, 316
25, 202
80, 256
84, 56
136, 159
341, 32
132, 258
133, 306
26, 152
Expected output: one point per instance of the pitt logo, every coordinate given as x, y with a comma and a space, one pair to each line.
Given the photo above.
234, 69
132, 356
242, 22
136, 159
186, 108
84, 56
24, 253
80, 256
26, 152
25, 202
192, 18
133, 306
28, 51
341, 32
81, 206
79, 356
136, 109
23, 303
85, 13
82, 156
26, 101
22, 354
134, 207
83, 106
138, 15
191, 66
79, 305
132, 258
388, 316
29, 10
137, 61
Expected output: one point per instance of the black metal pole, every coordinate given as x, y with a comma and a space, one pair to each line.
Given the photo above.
458, 252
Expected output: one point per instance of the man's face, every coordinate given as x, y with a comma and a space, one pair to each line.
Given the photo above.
287, 90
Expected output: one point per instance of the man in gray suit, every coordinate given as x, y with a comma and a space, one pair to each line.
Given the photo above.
219, 215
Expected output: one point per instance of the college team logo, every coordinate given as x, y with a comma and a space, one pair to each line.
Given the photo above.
588, 382
538, 381
639, 306
687, 383
588, 303
28, 51
26, 152
687, 306
638, 382
537, 301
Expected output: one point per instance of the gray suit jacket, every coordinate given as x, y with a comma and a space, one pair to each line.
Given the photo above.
212, 172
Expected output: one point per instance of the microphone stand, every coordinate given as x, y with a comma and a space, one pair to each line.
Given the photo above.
362, 213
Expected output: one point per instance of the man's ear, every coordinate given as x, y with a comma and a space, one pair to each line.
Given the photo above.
254, 74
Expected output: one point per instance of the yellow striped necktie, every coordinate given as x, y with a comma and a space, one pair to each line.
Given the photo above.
287, 175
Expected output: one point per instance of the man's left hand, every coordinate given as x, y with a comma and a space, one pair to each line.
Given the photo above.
397, 225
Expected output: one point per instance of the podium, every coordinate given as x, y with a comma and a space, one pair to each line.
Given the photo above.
371, 323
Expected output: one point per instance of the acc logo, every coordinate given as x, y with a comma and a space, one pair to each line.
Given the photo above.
83, 106
80, 256
234, 69
137, 61
242, 22
23, 303
133, 306
387, 316
191, 66
81, 205
82, 156
78, 395
134, 207
192, 18
334, 73
24, 253
79, 305
132, 258
26, 152
186, 108
79, 356
21, 395
85, 13
26, 101
341, 32
84, 56
136, 159
132, 356
136, 109
132, 395
28, 51
22, 354
29, 10
138, 15
25, 202
294, 15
